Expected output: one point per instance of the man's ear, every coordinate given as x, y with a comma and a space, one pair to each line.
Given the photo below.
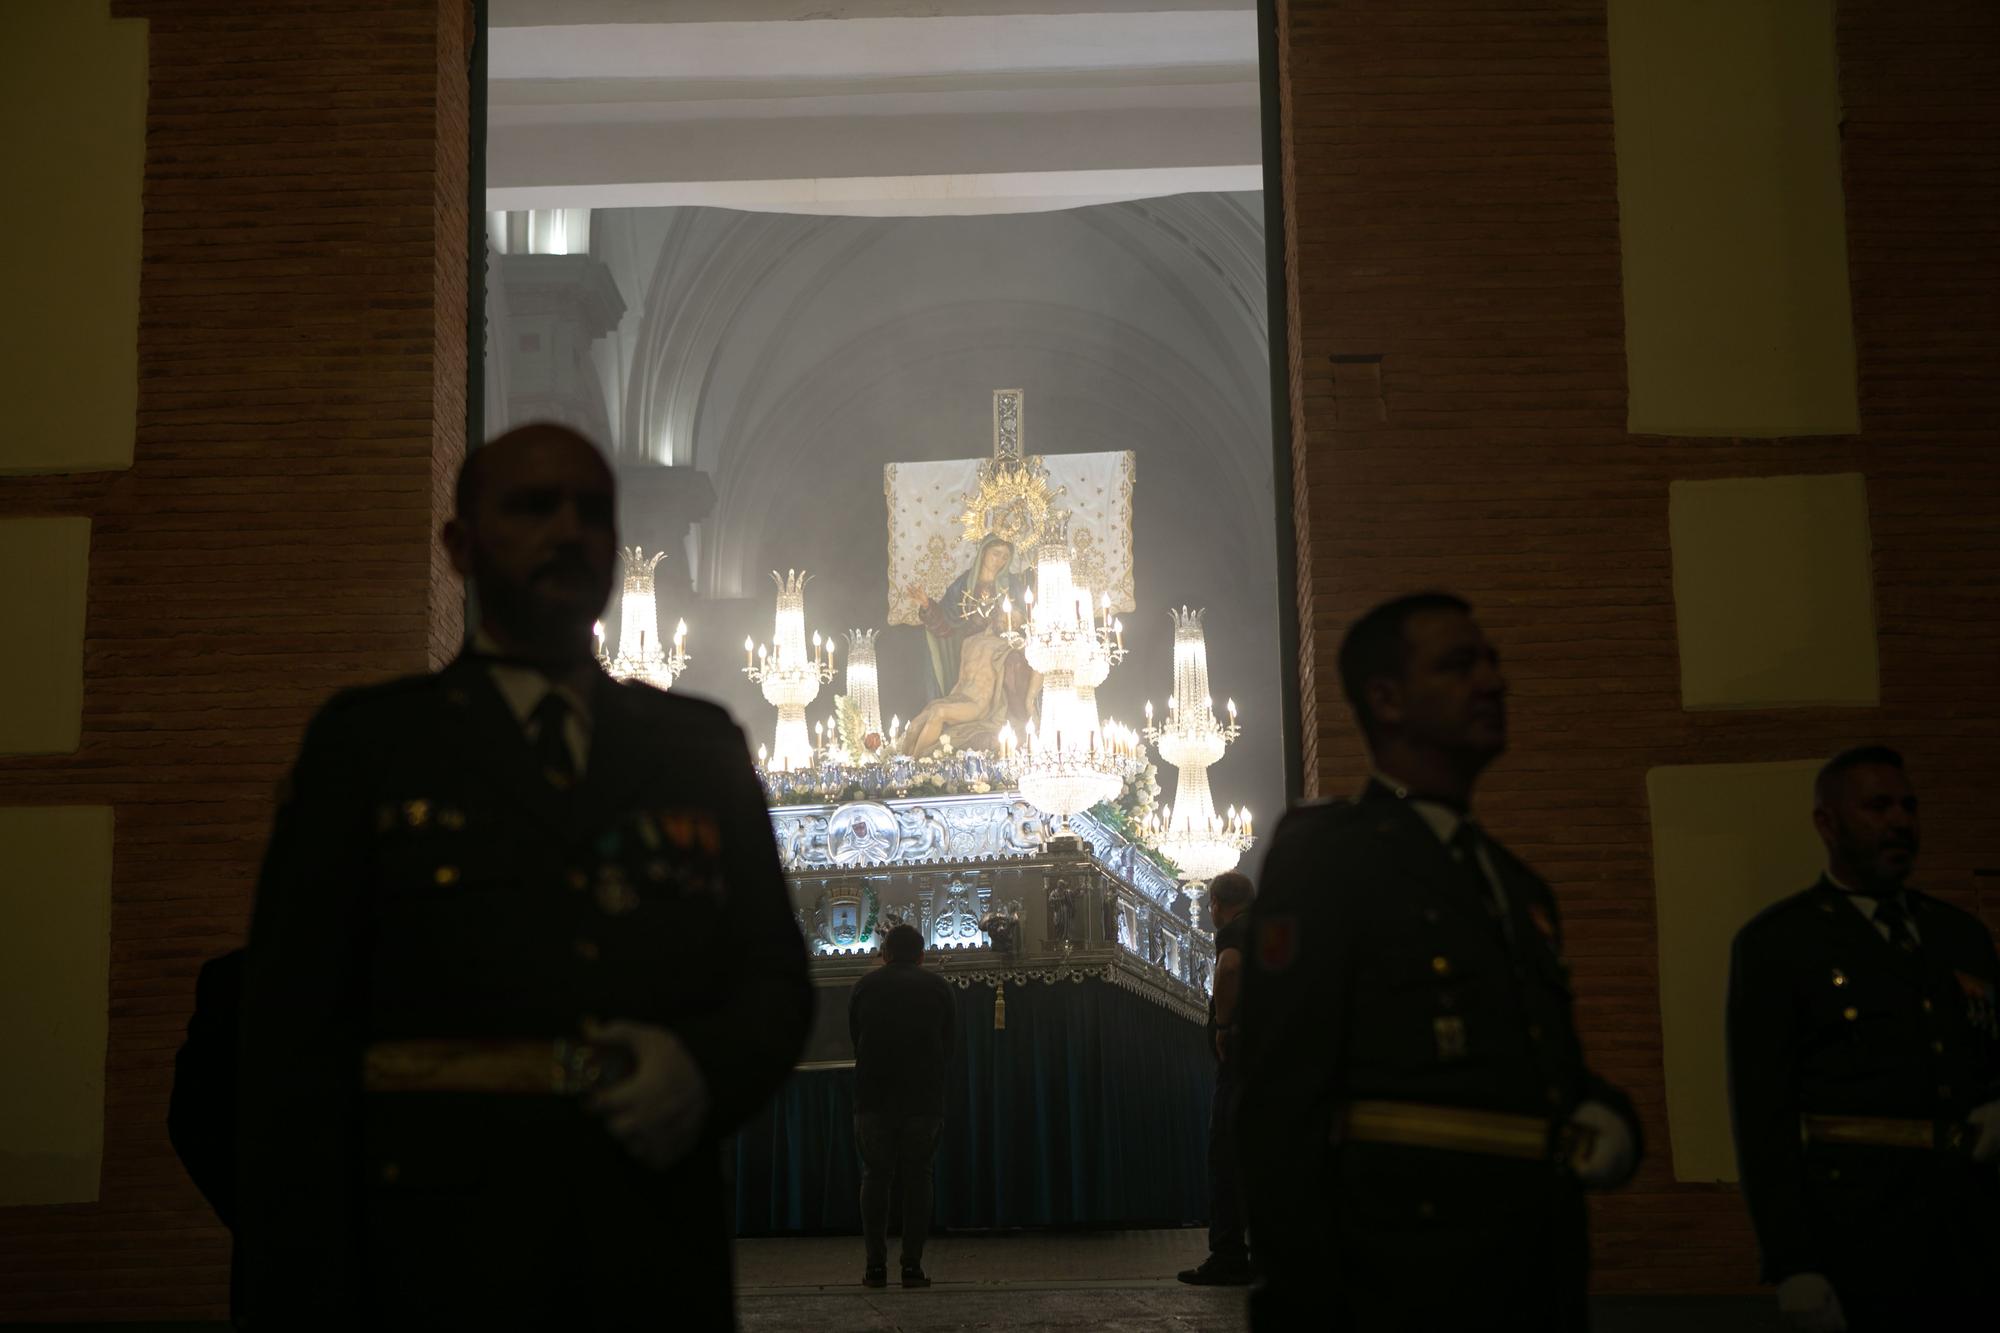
1826, 825
457, 543
1385, 700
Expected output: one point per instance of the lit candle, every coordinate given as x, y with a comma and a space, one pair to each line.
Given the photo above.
680, 632
763, 756
1007, 609
1232, 710
1149, 712
747, 652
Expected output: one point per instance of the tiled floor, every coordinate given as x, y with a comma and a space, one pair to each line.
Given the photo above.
1107, 1281
1104, 1282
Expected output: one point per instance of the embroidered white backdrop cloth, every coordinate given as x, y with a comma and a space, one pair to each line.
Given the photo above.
927, 545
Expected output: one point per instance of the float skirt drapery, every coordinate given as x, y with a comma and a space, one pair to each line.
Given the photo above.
1090, 1108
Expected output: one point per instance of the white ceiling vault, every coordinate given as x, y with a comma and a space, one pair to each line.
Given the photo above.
871, 108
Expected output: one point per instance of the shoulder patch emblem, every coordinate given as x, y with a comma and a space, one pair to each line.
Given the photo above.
1278, 943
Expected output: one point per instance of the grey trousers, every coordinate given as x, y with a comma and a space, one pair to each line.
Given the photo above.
896, 1147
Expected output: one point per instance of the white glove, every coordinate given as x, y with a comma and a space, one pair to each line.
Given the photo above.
1807, 1302
656, 1112
1605, 1151
1986, 1119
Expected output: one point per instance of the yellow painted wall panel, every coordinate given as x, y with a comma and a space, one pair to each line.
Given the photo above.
44, 575
55, 996
1737, 317
1774, 595
73, 99
1728, 841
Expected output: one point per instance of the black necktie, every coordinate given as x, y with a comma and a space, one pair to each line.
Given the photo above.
552, 752
1893, 913
1464, 846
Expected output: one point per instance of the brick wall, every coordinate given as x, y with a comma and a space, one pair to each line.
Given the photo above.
1451, 183
302, 367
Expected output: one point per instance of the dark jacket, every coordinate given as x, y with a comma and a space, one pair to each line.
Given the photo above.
901, 1018
1826, 1017
425, 880
1376, 971
201, 1114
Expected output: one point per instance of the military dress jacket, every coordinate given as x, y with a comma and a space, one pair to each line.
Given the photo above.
1377, 970
426, 880
1826, 1017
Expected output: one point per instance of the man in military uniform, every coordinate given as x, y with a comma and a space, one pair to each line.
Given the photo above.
521, 955
1864, 1078
1228, 1261
1417, 1123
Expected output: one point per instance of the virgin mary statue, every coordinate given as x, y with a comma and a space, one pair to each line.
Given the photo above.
979, 683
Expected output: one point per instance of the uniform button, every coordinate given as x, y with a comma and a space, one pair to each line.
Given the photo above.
578, 880
1928, 1006
1839, 977
1441, 965
587, 950
1850, 1013
445, 875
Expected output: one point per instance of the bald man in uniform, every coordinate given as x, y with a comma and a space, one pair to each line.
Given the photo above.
1864, 1072
521, 956
1417, 1124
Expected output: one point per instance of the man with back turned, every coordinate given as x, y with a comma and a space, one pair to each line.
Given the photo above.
1864, 1073
1417, 1123
521, 954
901, 1019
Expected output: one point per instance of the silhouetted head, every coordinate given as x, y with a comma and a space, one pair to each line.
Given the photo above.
1421, 675
1865, 811
1229, 896
535, 533
902, 946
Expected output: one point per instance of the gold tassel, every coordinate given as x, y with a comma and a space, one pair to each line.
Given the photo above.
1000, 1007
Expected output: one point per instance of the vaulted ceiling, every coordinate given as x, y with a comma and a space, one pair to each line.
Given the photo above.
876, 108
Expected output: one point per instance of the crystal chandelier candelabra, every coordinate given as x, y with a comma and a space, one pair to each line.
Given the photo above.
790, 677
1072, 759
642, 654
1189, 832
864, 690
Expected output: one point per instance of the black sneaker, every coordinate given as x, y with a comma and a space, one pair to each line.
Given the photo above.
876, 1275
914, 1277
1216, 1272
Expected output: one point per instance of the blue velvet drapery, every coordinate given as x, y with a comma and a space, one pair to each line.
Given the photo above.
1089, 1109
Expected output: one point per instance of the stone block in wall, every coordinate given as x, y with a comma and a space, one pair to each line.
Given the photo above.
1728, 841
1732, 219
73, 98
44, 573
55, 968
1774, 592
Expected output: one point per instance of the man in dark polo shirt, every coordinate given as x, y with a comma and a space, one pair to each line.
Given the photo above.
1228, 1262
901, 1019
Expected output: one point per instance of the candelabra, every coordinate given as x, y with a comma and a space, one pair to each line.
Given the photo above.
1189, 832
863, 690
789, 676
1072, 760
641, 653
